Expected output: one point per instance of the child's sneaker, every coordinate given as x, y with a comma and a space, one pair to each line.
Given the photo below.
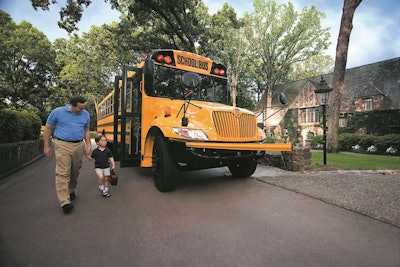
106, 194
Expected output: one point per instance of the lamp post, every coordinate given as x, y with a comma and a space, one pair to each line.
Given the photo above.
322, 94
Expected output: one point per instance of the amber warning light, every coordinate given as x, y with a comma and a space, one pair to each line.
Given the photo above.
218, 71
164, 59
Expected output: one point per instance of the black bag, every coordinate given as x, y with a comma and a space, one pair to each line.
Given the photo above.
113, 178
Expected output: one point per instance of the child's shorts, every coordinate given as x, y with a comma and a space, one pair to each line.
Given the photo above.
105, 172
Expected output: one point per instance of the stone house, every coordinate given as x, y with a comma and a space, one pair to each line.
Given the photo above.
370, 87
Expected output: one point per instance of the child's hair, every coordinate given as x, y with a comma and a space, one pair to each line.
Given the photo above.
98, 138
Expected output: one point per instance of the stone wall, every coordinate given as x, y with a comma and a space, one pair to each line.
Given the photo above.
14, 156
298, 160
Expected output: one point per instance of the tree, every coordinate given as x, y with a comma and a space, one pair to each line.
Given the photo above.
346, 25
70, 15
87, 65
278, 37
224, 43
314, 66
180, 22
26, 64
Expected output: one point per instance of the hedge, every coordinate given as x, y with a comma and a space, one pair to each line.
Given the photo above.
18, 126
382, 145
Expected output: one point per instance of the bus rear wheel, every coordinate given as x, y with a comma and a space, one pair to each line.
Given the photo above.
163, 168
243, 169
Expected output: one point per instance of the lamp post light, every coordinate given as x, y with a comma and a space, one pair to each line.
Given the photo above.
322, 94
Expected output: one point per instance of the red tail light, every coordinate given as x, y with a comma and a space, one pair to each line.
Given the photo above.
160, 58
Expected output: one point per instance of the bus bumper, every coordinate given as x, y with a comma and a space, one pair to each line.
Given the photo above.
241, 146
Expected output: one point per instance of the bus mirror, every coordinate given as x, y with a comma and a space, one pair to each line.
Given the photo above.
283, 100
191, 80
149, 68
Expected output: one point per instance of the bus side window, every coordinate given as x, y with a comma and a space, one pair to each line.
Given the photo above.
136, 95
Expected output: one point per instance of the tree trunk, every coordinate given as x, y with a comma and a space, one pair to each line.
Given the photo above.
346, 25
269, 109
234, 83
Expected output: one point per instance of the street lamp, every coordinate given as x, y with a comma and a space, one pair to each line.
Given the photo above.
322, 94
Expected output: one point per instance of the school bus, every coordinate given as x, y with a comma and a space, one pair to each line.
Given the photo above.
172, 113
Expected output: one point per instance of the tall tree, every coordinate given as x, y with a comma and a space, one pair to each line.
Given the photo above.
278, 36
87, 64
70, 14
26, 64
181, 22
346, 25
314, 66
224, 42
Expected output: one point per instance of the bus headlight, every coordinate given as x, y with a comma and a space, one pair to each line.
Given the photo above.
191, 133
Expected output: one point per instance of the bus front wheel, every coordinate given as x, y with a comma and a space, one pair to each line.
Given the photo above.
243, 169
163, 168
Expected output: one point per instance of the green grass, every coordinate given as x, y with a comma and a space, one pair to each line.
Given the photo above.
354, 161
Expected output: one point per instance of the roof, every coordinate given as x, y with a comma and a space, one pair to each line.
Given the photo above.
381, 78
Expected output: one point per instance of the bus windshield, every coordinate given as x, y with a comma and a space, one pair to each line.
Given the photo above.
167, 83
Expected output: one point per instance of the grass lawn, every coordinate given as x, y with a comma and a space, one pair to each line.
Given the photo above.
353, 161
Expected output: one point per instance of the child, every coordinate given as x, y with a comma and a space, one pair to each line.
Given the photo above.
103, 158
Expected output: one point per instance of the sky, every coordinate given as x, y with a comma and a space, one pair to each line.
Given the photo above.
375, 36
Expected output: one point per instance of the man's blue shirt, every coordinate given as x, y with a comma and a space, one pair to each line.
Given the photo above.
68, 125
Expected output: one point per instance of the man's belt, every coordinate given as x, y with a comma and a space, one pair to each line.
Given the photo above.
69, 141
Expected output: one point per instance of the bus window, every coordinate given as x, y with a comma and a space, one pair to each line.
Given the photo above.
168, 84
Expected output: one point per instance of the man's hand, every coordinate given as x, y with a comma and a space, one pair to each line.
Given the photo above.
48, 129
47, 151
88, 148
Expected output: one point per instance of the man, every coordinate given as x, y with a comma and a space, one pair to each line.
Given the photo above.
71, 139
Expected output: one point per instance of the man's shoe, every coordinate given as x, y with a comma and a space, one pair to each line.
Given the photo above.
72, 196
67, 208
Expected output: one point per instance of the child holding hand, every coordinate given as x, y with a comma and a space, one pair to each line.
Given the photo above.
103, 161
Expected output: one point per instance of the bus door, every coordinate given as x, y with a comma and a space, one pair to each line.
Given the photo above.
127, 117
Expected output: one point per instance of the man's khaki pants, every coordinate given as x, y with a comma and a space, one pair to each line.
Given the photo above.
68, 162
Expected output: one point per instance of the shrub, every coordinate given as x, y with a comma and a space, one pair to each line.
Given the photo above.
270, 139
371, 149
316, 142
386, 144
18, 125
377, 121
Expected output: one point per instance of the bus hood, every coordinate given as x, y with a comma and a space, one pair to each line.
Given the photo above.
219, 122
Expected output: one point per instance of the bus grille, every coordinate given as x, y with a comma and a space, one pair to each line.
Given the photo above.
228, 125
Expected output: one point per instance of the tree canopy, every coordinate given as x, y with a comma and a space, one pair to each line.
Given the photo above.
27, 64
271, 45
279, 37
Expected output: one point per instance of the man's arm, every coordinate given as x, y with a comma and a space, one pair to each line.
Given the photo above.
48, 130
88, 141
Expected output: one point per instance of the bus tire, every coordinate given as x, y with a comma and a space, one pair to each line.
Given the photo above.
243, 169
163, 168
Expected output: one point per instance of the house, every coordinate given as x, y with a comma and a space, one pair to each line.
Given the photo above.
370, 87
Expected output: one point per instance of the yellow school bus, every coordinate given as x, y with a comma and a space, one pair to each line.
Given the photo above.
172, 113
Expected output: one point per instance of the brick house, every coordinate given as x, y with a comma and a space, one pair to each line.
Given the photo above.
370, 87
